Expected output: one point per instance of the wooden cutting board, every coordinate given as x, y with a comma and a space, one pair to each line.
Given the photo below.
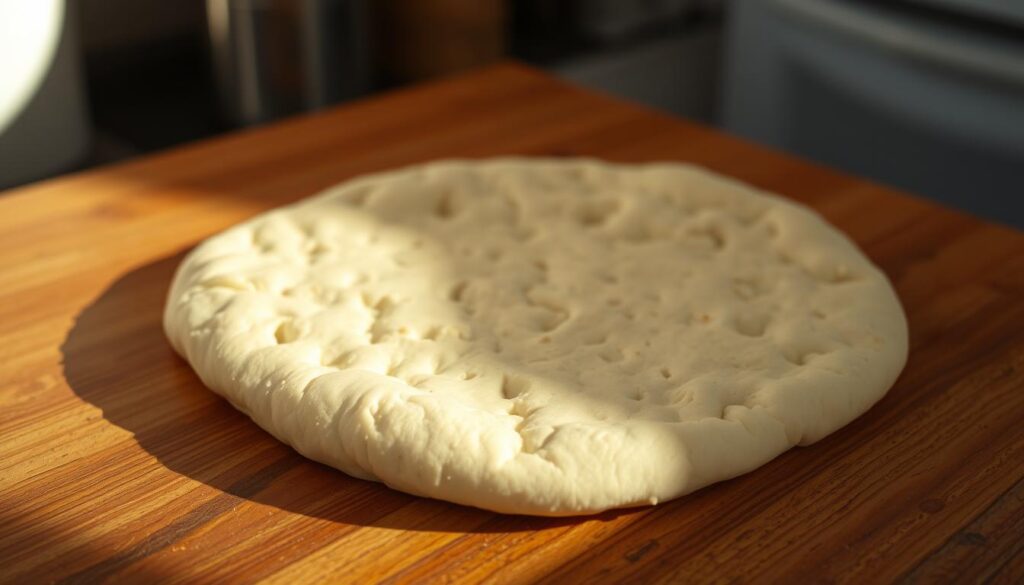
116, 463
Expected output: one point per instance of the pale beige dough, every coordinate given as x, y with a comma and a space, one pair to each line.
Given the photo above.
539, 336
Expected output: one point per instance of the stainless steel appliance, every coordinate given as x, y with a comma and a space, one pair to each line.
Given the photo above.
277, 57
915, 93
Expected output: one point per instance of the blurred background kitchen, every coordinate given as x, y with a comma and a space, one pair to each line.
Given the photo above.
925, 95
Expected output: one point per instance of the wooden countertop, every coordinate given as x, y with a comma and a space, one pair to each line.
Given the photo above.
115, 462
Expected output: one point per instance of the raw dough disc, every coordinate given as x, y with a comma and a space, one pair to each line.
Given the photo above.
535, 336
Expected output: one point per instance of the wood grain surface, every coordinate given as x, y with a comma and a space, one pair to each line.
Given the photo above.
116, 463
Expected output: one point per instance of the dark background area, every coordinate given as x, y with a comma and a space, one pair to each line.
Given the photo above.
156, 88
926, 95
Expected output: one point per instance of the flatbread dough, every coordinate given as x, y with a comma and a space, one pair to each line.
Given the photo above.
549, 337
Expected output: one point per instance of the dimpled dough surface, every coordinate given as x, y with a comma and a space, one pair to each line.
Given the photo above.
537, 336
